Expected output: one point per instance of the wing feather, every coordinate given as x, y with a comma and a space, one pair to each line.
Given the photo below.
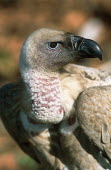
10, 104
94, 114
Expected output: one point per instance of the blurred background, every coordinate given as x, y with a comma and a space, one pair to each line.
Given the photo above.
18, 18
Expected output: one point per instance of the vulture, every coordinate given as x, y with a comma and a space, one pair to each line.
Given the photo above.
47, 111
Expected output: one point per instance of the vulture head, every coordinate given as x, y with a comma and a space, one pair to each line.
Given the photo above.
47, 50
43, 54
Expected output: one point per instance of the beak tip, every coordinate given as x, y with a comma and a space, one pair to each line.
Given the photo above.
92, 49
100, 57
98, 51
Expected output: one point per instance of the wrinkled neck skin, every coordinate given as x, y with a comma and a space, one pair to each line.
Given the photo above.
42, 98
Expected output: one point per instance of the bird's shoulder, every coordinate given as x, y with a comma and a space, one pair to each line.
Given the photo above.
94, 113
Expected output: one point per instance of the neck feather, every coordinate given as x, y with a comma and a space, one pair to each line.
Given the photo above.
45, 98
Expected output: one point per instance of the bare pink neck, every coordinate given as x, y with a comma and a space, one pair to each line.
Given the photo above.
45, 98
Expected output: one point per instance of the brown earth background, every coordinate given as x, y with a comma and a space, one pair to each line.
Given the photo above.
18, 18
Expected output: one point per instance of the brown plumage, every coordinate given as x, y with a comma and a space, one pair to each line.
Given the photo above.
93, 110
84, 78
35, 110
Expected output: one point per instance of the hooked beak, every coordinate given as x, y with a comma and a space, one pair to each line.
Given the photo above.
86, 48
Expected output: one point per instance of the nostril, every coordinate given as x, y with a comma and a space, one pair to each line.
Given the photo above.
79, 44
77, 41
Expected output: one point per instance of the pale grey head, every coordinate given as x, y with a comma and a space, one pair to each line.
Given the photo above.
43, 54
49, 50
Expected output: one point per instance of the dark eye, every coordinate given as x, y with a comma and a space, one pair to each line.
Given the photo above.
53, 45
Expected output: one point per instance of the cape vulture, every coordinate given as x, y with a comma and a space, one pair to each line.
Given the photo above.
39, 111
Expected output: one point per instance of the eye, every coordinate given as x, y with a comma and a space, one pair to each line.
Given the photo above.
53, 45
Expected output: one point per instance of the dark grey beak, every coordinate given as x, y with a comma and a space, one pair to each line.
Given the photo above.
86, 48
